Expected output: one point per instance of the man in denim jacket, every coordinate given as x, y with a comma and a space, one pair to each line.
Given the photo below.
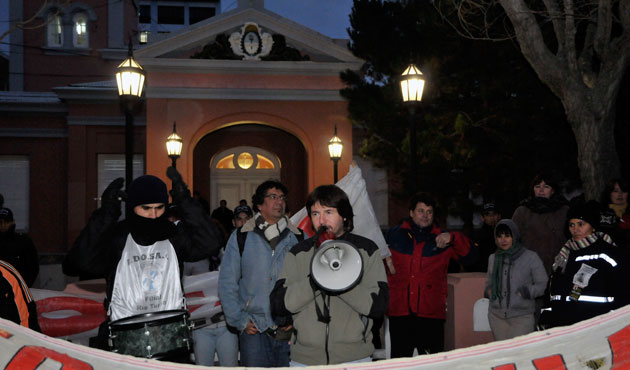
249, 273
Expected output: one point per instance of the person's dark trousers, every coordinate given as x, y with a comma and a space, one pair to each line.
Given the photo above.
261, 350
410, 332
376, 332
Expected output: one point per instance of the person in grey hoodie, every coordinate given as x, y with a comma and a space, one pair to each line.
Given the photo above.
516, 277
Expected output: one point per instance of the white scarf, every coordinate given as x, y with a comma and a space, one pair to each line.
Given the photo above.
271, 232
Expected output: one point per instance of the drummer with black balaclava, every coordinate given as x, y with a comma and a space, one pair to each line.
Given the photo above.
141, 259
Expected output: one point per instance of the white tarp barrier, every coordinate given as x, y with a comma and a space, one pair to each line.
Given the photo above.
365, 222
202, 295
599, 343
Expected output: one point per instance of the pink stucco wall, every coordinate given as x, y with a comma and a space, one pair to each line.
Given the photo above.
464, 289
311, 121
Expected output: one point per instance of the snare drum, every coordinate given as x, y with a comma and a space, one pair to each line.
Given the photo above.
154, 335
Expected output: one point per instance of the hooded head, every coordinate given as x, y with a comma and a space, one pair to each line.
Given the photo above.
507, 225
146, 189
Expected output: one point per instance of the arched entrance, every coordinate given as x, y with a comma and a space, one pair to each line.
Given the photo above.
235, 173
289, 156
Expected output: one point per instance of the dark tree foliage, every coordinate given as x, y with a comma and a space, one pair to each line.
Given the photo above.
485, 122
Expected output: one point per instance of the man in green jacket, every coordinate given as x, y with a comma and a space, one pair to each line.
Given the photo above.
330, 327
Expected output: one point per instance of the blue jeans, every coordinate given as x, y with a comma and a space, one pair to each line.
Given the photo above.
261, 350
208, 340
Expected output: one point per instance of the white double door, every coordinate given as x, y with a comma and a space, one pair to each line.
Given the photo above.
233, 182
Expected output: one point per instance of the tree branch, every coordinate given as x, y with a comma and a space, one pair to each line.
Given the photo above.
465, 10
533, 45
23, 24
569, 37
615, 65
586, 57
604, 27
555, 14
374, 134
624, 15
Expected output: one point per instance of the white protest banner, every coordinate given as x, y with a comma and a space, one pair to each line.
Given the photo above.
599, 343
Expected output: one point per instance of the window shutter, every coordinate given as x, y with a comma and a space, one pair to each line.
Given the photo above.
14, 186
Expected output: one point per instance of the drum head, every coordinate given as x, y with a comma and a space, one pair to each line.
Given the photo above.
152, 335
150, 318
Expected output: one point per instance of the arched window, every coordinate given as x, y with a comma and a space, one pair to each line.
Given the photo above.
68, 26
245, 159
55, 30
236, 172
80, 30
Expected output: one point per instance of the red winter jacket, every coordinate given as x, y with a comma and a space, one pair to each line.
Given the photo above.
419, 285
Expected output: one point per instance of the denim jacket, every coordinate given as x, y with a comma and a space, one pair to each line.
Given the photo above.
246, 281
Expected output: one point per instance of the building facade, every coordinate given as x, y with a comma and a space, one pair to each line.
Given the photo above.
254, 96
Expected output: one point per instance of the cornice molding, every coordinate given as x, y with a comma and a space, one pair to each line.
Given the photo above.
114, 54
243, 94
98, 95
105, 95
104, 121
28, 102
245, 66
34, 132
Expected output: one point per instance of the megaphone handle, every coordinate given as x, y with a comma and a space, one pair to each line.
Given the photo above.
323, 317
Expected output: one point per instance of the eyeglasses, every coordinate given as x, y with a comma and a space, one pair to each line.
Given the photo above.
275, 197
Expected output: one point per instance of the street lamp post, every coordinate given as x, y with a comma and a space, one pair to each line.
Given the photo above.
174, 145
411, 87
130, 81
335, 148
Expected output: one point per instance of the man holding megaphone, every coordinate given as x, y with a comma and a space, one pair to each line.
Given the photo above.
332, 286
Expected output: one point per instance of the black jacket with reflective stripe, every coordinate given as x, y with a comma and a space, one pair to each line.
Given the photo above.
610, 284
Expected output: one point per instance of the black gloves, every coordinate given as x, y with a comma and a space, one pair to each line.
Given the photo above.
113, 194
172, 174
180, 189
524, 292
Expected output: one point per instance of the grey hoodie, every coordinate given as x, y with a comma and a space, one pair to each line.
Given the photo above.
524, 279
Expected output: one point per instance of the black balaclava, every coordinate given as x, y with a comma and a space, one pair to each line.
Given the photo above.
148, 189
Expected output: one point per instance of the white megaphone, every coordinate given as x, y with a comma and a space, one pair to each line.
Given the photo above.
336, 266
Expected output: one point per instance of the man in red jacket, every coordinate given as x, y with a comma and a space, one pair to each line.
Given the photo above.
421, 252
